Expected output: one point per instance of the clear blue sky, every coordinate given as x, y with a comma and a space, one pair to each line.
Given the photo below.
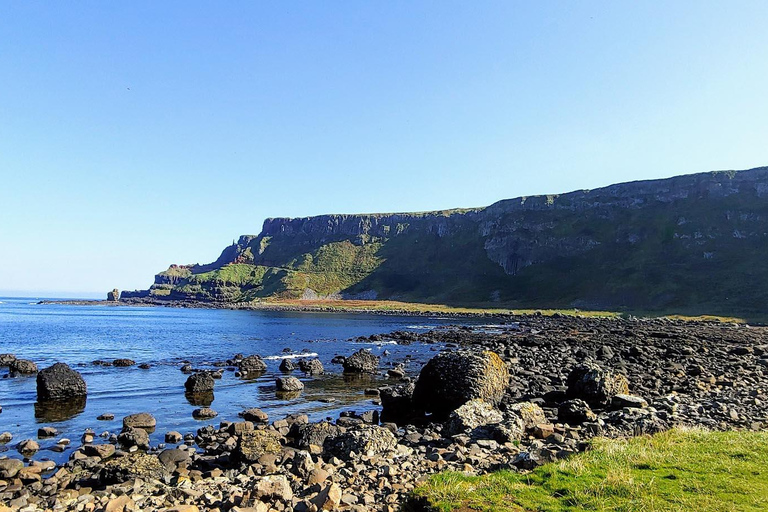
138, 134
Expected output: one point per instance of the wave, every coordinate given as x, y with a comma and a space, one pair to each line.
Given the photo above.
291, 356
428, 327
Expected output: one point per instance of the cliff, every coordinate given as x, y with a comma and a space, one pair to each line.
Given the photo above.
691, 243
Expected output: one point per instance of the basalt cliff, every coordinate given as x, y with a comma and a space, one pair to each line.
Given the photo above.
691, 244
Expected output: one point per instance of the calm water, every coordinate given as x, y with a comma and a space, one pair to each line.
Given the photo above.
164, 338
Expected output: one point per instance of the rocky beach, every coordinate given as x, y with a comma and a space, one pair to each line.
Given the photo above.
513, 396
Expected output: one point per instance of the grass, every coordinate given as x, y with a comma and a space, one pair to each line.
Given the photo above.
679, 470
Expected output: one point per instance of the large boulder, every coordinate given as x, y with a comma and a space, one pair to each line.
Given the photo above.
361, 361
451, 379
311, 366
132, 436
201, 382
575, 412
136, 465
254, 444
473, 414
22, 367
531, 414
364, 440
252, 365
594, 385
60, 382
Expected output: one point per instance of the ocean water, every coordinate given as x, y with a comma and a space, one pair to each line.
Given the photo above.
166, 338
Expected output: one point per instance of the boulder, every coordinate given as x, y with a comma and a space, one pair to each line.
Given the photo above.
59, 382
361, 361
473, 414
123, 363
252, 365
289, 384
137, 465
273, 487
6, 359
397, 403
450, 379
621, 401
22, 367
204, 413
171, 457
28, 447
255, 415
114, 295
103, 451
575, 412
140, 420
594, 385
252, 445
9, 467
202, 382
131, 436
329, 498
311, 366
364, 440
286, 365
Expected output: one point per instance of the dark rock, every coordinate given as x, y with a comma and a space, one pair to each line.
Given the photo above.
60, 382
137, 437
201, 382
142, 420
364, 440
594, 385
313, 434
289, 384
252, 445
6, 359
311, 366
397, 403
361, 361
252, 366
123, 363
22, 367
287, 366
451, 379
575, 412
255, 415
113, 296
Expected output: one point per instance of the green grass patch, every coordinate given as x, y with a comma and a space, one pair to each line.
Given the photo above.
679, 470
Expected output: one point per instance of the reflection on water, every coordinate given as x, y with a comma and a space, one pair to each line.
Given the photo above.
59, 410
199, 399
287, 395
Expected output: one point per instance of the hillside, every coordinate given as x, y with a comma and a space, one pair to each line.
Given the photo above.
689, 244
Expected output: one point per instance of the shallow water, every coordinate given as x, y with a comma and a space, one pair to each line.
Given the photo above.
165, 338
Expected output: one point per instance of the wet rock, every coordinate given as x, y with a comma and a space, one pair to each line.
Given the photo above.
6, 359
287, 366
123, 363
252, 445
289, 384
28, 447
594, 385
451, 379
204, 413
9, 467
44, 432
252, 366
201, 382
107, 416
60, 382
255, 415
364, 440
311, 366
140, 420
173, 437
575, 412
473, 414
22, 367
5, 438
361, 361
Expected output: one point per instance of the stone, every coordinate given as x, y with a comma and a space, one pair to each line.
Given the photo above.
22, 367
204, 413
311, 366
252, 445
28, 447
273, 487
134, 436
255, 415
123, 363
140, 420
107, 416
6, 359
122, 503
289, 384
113, 296
44, 432
135, 465
530, 413
313, 434
594, 385
473, 414
60, 382
575, 412
103, 451
5, 438
451, 379
172, 457
361, 361
363, 440
397, 402
620, 401
329, 498
9, 467
173, 437
201, 382
252, 366
286, 365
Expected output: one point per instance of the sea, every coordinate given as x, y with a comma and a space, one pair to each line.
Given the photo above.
166, 339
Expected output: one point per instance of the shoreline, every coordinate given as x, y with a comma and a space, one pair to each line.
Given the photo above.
666, 374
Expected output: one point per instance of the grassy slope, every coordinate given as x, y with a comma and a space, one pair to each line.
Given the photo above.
679, 470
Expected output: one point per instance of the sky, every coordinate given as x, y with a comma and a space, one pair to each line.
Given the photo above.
136, 134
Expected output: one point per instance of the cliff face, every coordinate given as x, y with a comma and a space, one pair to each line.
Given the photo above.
689, 243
